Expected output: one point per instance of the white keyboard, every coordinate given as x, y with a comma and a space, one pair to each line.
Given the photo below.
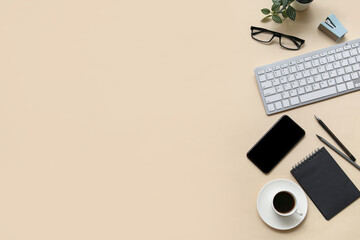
310, 77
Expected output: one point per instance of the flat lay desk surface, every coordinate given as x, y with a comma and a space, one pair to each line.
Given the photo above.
132, 119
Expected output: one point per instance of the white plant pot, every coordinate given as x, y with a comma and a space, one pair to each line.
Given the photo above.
300, 6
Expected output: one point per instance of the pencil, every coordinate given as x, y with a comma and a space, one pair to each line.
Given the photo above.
338, 152
335, 138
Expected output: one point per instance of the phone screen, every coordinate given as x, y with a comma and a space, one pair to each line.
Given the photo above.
275, 144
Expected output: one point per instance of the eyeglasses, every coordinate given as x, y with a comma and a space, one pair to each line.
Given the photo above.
286, 41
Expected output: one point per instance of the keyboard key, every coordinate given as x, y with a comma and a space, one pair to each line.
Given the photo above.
313, 71
353, 52
329, 67
271, 107
302, 82
285, 94
308, 88
269, 70
269, 91
286, 103
333, 73
261, 72
310, 80
295, 84
266, 84
341, 87
330, 58
356, 67
292, 69
316, 62
316, 86
273, 98
348, 69
301, 90
350, 85
336, 64
308, 65
294, 100
338, 56
279, 88
287, 86
270, 75
324, 84
340, 49
340, 71
277, 73
262, 78
317, 78
347, 77
300, 67
321, 69
346, 54
323, 60
306, 73
331, 82
354, 75
283, 80
291, 77
275, 82
339, 80
293, 92
284, 71
344, 62
352, 60
318, 94
325, 75
278, 105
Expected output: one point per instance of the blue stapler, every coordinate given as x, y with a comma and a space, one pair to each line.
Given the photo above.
333, 27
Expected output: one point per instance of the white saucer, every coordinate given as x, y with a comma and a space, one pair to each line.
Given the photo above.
267, 213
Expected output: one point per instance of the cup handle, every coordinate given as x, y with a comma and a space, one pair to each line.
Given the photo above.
299, 212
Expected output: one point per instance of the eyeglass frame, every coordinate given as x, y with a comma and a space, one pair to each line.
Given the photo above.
279, 35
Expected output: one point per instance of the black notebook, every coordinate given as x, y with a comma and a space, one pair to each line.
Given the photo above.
325, 183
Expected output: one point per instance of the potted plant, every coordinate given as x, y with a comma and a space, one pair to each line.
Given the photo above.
283, 9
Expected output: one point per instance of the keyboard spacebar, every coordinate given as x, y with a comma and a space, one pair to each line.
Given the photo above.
318, 94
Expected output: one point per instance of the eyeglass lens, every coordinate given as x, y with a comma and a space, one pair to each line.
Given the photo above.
262, 35
289, 43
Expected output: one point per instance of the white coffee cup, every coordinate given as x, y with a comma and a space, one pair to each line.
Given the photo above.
285, 203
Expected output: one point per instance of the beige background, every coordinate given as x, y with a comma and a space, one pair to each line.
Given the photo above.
131, 119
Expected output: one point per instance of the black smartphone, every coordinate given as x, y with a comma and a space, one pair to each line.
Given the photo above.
275, 144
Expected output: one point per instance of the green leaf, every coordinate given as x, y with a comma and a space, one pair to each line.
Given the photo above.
266, 18
275, 7
290, 11
276, 19
265, 11
284, 14
276, 1
285, 3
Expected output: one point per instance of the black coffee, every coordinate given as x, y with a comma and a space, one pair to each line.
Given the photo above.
284, 202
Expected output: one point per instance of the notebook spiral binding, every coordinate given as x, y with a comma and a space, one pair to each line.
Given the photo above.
306, 159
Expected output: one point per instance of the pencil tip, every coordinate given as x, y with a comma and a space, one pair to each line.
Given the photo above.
316, 117
318, 136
